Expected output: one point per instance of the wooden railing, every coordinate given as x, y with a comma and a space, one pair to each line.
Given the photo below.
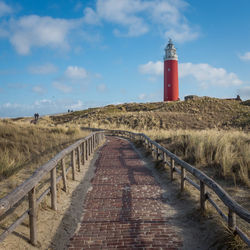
79, 151
180, 167
82, 149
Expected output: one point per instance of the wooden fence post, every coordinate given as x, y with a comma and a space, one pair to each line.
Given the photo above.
73, 164
79, 158
53, 188
64, 176
33, 216
152, 149
83, 154
231, 220
202, 196
172, 170
164, 159
89, 147
86, 147
183, 175
157, 153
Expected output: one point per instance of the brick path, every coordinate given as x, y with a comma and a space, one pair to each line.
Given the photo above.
124, 207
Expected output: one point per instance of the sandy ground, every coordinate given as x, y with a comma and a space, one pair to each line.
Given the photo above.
56, 228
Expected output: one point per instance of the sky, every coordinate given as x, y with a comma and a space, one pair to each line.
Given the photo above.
75, 54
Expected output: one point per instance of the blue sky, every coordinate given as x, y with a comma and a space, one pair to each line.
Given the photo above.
74, 54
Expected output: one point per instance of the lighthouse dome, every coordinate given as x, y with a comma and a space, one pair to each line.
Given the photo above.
170, 51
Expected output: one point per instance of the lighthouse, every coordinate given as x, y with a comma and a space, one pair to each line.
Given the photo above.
171, 83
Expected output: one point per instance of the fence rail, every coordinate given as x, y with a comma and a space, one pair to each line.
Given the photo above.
160, 153
80, 152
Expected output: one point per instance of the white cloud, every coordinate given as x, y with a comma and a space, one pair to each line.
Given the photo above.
123, 13
44, 69
76, 73
152, 68
138, 16
38, 89
35, 31
205, 74
43, 102
78, 105
101, 88
5, 9
182, 33
142, 96
10, 105
245, 57
90, 16
73, 76
244, 92
43, 106
62, 87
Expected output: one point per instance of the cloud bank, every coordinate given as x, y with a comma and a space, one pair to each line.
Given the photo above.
136, 17
205, 74
130, 18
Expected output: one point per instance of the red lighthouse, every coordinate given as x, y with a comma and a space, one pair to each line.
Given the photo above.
171, 83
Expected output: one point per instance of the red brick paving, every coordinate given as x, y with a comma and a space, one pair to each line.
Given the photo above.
124, 209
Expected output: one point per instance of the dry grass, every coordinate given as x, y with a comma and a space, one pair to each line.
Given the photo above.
24, 145
199, 114
225, 153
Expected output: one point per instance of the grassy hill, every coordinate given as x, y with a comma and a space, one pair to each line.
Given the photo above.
199, 114
211, 133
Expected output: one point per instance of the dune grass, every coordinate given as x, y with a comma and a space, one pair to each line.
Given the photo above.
226, 153
25, 145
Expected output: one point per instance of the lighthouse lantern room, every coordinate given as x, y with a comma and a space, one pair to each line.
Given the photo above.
171, 83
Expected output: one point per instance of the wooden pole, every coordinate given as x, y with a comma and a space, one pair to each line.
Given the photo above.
89, 143
94, 141
53, 189
183, 175
73, 164
83, 154
64, 176
33, 216
202, 196
172, 170
79, 158
86, 147
231, 220
164, 159
157, 153
90, 146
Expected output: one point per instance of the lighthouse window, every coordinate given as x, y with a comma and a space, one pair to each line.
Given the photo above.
169, 69
169, 85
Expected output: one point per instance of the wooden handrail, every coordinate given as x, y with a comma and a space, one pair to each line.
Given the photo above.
28, 187
85, 147
233, 206
17, 194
